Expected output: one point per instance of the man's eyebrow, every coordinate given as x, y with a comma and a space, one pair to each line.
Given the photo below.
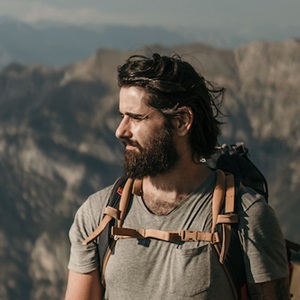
133, 115
136, 116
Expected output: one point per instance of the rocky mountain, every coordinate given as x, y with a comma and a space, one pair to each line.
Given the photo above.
57, 146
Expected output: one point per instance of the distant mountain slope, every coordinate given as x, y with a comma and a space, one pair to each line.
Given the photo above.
59, 44
57, 146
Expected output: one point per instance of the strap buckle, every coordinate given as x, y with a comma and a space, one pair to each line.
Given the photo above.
187, 235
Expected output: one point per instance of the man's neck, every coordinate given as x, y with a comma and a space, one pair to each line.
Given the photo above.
164, 192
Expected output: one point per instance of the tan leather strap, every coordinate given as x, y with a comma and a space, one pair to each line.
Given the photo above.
230, 194
195, 236
218, 198
229, 217
124, 201
137, 188
109, 214
113, 212
99, 229
129, 188
223, 183
169, 236
226, 219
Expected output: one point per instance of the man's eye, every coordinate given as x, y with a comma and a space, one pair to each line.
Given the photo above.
137, 118
134, 117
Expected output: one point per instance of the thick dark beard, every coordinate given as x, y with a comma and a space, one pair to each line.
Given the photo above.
157, 158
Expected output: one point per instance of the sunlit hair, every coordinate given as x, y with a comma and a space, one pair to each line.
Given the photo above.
171, 83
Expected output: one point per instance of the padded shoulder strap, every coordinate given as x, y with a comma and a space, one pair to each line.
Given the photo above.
110, 212
124, 201
224, 191
230, 194
225, 182
228, 217
218, 198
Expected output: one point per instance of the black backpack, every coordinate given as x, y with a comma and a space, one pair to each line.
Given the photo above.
235, 160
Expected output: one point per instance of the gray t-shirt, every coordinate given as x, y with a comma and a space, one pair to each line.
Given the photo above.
156, 269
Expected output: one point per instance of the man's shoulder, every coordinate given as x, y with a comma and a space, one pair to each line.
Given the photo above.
101, 194
253, 209
248, 197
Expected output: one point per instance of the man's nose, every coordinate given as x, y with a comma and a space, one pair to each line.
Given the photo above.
123, 129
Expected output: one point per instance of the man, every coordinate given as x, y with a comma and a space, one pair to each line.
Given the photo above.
169, 126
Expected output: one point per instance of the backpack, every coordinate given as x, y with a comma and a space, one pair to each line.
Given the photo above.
233, 168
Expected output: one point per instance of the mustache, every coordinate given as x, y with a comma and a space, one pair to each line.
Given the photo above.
127, 141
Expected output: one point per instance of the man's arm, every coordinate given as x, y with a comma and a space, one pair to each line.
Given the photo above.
271, 290
84, 286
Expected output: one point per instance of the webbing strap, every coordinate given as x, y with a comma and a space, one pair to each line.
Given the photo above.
137, 188
218, 198
113, 212
230, 194
129, 188
124, 201
99, 229
169, 236
227, 219
229, 216
109, 214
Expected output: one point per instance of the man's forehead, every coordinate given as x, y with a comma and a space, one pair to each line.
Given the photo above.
133, 91
133, 98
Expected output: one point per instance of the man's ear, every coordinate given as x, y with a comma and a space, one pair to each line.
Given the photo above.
182, 123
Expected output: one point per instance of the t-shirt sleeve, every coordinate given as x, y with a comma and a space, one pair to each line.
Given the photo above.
85, 259
263, 244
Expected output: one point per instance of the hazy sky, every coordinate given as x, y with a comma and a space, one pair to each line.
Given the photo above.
238, 16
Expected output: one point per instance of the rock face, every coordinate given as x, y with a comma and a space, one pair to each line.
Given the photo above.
58, 146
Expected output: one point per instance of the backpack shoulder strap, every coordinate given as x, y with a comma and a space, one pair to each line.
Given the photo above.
229, 217
114, 212
224, 215
218, 198
110, 212
124, 201
224, 192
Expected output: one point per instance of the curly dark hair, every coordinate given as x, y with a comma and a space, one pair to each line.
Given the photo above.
171, 83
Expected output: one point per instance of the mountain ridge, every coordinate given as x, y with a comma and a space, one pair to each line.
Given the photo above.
60, 44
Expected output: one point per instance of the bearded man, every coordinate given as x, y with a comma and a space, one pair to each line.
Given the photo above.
169, 127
